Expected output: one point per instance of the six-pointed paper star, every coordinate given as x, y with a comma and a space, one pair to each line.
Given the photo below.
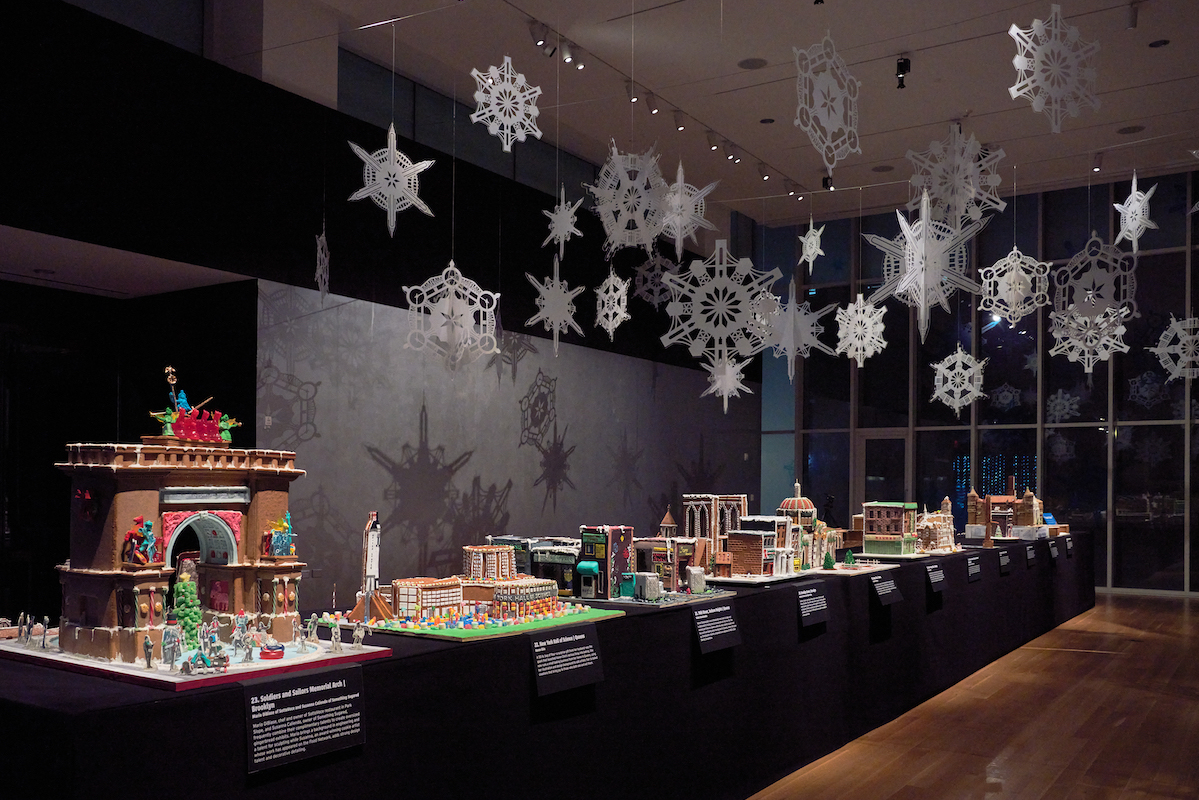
389, 178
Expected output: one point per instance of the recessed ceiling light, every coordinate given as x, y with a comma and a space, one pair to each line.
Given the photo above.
1159, 43
882, 168
1130, 129
752, 63
767, 120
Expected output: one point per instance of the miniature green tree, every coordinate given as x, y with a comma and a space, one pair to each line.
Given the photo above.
187, 610
829, 561
849, 560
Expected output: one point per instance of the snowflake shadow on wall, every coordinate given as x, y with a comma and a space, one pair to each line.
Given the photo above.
288, 406
555, 467
624, 469
537, 410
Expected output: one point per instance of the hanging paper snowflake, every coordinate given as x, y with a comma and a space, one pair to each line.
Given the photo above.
1153, 449
959, 177
555, 303
1097, 278
507, 104
1194, 208
1147, 390
928, 266
611, 303
1061, 449
811, 244
1014, 286
1005, 398
1061, 406
322, 264
794, 330
648, 283
1178, 348
1086, 338
958, 381
725, 379
1134, 215
683, 211
628, 199
562, 222
452, 316
1055, 68
860, 334
389, 178
828, 102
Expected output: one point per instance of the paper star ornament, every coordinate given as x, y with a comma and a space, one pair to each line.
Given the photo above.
389, 178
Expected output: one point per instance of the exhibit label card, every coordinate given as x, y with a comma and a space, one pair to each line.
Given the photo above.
1069, 547
1030, 554
566, 658
813, 605
716, 627
885, 589
300, 716
1053, 549
1005, 562
936, 576
974, 568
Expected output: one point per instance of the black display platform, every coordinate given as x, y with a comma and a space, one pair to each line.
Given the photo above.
460, 720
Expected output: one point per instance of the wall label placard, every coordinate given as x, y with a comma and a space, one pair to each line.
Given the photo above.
1053, 549
936, 576
1030, 554
566, 658
1069, 547
974, 568
813, 605
885, 589
1005, 562
296, 717
716, 627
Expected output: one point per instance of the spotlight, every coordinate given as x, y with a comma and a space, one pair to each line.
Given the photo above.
631, 88
791, 186
763, 171
728, 150
827, 183
902, 67
680, 120
567, 54
578, 54
549, 49
736, 155
714, 141
1097, 162
651, 102
539, 32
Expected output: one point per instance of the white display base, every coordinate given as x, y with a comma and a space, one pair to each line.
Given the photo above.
668, 599
856, 569
895, 556
756, 580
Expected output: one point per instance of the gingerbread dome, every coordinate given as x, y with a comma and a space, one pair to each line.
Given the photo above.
797, 503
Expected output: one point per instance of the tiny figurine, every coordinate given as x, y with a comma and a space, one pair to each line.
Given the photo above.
172, 640
297, 638
21, 628
335, 638
45, 630
359, 633
148, 650
312, 629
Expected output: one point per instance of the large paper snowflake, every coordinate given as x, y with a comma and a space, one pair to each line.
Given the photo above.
794, 330
390, 179
648, 283
1147, 390
322, 264
1134, 215
1088, 338
452, 316
958, 381
612, 303
628, 198
828, 102
555, 304
682, 211
1178, 348
959, 177
562, 222
507, 104
811, 244
725, 379
1055, 68
1015, 286
1097, 278
1061, 406
860, 331
1005, 398
934, 260
712, 311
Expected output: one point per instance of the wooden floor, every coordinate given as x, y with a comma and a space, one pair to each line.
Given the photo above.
1105, 706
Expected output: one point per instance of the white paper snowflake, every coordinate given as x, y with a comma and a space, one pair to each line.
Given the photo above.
389, 178
562, 222
682, 211
612, 303
1055, 68
1178, 348
928, 265
453, 317
1005, 398
1088, 338
958, 381
860, 331
828, 102
648, 283
1147, 390
322, 264
1097, 278
1061, 406
628, 198
555, 304
811, 244
1014, 286
725, 380
1061, 449
1134, 215
959, 177
795, 329
1153, 449
1194, 208
507, 104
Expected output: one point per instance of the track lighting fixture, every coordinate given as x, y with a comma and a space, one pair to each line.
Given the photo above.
578, 54
539, 32
631, 88
791, 186
1097, 162
903, 66
549, 49
764, 171
680, 120
568, 55
1132, 15
714, 141
651, 102
728, 150
827, 183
